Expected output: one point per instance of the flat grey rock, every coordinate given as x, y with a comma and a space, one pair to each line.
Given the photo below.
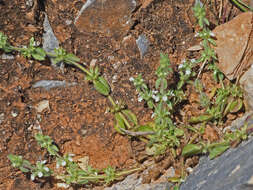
48, 84
233, 170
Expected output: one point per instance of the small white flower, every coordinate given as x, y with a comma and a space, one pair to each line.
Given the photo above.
70, 159
63, 185
154, 91
196, 35
188, 72
153, 115
43, 162
40, 174
46, 169
72, 155
156, 98
180, 66
212, 34
57, 165
131, 79
32, 177
165, 98
140, 99
63, 163
193, 60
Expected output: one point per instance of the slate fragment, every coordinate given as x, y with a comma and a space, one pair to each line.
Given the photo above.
109, 17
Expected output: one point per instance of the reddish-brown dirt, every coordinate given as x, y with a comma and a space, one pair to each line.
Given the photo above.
77, 119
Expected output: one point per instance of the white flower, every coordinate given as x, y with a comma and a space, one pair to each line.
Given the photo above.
196, 35
46, 169
188, 72
40, 174
180, 66
154, 91
156, 98
140, 99
32, 177
63, 185
63, 163
70, 159
43, 162
131, 79
57, 165
193, 60
165, 98
153, 115
212, 34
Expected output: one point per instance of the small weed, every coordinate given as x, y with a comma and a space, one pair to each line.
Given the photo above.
72, 174
216, 149
163, 102
224, 100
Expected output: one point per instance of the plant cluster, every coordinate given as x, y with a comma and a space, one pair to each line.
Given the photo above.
163, 100
72, 173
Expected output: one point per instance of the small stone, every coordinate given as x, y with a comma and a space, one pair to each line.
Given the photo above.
1, 117
143, 44
48, 84
7, 56
93, 63
14, 113
42, 105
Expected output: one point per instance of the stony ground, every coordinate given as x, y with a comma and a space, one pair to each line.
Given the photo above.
75, 115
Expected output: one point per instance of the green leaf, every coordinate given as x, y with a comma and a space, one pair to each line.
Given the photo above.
71, 58
150, 104
200, 119
102, 86
191, 149
157, 83
119, 123
218, 150
178, 132
131, 116
25, 170
236, 106
39, 54
145, 128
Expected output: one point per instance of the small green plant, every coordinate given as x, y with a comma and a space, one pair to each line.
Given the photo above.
163, 100
73, 174
208, 54
224, 100
216, 149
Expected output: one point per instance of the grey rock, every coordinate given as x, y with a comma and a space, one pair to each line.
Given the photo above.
133, 182
50, 41
143, 44
1, 118
7, 56
129, 183
48, 84
230, 171
85, 6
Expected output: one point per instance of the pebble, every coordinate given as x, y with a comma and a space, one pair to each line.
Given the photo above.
48, 84
42, 105
1, 118
143, 44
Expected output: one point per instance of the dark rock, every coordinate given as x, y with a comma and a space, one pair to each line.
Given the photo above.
231, 171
